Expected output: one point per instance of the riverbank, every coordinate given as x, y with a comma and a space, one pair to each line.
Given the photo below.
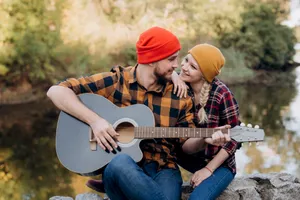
26, 93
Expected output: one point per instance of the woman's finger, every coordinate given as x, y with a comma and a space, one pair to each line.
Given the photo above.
214, 138
227, 137
182, 91
175, 88
178, 91
197, 182
222, 138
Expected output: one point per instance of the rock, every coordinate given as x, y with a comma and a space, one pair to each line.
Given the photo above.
273, 186
60, 198
88, 196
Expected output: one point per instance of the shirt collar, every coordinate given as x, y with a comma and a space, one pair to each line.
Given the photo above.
161, 87
132, 76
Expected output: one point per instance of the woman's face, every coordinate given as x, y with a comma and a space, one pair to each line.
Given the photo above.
190, 71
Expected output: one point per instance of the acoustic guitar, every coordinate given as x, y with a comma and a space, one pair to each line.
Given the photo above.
78, 151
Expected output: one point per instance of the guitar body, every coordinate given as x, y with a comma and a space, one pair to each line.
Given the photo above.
73, 146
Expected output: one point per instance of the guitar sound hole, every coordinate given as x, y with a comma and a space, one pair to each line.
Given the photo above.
126, 131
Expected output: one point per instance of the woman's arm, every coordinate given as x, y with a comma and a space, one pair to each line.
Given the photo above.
209, 169
179, 86
218, 160
193, 145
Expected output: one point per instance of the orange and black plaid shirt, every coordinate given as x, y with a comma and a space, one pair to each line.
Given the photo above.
121, 87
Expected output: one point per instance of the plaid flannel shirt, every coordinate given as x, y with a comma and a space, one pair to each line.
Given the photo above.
221, 109
121, 87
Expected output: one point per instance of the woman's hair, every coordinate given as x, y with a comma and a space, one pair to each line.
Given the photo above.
204, 94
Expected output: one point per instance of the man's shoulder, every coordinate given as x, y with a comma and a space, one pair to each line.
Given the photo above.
170, 92
121, 69
126, 73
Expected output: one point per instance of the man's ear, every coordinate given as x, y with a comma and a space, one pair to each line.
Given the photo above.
152, 64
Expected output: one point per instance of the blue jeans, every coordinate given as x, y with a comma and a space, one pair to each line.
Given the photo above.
124, 179
214, 185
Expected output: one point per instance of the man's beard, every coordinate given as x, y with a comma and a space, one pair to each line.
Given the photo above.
161, 79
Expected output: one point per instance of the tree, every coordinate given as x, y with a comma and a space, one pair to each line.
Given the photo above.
266, 43
30, 33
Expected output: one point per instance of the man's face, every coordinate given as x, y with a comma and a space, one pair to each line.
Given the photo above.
164, 68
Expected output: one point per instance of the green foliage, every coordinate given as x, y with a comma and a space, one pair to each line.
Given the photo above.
266, 43
38, 43
31, 32
235, 67
126, 56
3, 70
76, 60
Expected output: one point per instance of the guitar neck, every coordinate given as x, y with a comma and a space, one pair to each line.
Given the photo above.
174, 132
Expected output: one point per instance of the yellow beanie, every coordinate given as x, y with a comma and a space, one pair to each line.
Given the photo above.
210, 60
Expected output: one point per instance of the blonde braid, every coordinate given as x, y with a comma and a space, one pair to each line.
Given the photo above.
204, 94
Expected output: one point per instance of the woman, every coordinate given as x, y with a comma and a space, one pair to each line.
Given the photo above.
214, 168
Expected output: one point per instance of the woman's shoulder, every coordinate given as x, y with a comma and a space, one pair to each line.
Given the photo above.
219, 88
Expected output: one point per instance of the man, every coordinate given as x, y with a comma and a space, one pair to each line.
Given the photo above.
157, 176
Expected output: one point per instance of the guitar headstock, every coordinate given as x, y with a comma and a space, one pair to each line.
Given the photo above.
244, 133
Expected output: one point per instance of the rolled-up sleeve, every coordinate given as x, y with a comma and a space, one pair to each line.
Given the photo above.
230, 147
102, 83
229, 114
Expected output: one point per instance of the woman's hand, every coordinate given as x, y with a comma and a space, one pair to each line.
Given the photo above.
218, 138
200, 176
179, 86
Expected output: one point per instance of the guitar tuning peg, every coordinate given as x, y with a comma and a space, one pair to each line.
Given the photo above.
242, 124
256, 126
250, 144
257, 143
249, 125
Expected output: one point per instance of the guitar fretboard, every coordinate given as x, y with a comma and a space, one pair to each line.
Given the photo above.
174, 132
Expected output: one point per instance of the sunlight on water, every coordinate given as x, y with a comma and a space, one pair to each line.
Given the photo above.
293, 124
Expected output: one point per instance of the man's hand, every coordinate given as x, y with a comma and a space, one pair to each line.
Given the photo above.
218, 138
105, 134
199, 176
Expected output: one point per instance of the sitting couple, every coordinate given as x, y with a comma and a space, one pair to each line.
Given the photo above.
153, 82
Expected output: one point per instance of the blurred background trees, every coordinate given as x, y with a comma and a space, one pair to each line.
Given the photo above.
45, 41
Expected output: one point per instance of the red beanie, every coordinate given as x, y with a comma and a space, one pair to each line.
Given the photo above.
156, 44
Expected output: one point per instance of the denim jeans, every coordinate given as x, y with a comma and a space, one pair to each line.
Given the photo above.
214, 185
124, 179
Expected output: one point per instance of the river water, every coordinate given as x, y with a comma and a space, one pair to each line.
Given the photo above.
29, 168
280, 117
